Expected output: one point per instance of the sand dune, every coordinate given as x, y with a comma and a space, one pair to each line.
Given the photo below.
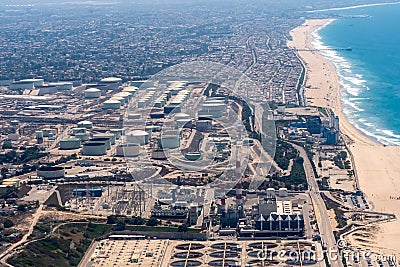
378, 167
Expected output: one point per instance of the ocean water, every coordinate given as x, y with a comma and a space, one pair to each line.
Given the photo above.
369, 74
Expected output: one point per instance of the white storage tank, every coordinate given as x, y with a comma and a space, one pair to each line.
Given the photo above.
111, 104
85, 124
78, 130
92, 93
82, 136
94, 149
110, 137
283, 192
104, 140
158, 154
169, 141
131, 89
120, 99
50, 172
134, 116
127, 150
270, 193
137, 137
70, 143
117, 132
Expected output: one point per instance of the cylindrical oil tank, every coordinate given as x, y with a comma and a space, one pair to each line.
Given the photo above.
158, 154
137, 137
127, 150
78, 130
94, 149
117, 132
85, 124
39, 134
157, 115
47, 131
111, 104
214, 106
193, 156
92, 93
283, 192
102, 140
168, 141
110, 137
130, 89
181, 116
83, 136
50, 172
172, 109
134, 116
70, 143
120, 99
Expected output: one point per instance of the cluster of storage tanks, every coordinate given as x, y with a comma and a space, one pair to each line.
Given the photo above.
213, 107
120, 99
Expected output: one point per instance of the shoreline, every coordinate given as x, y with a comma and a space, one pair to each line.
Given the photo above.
374, 163
353, 7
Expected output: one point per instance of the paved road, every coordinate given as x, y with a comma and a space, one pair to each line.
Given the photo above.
320, 210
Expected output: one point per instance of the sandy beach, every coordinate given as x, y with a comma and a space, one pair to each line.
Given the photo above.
378, 166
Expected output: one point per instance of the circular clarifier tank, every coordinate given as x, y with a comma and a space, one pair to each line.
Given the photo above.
259, 253
184, 263
260, 262
262, 245
189, 255
228, 254
193, 246
227, 245
223, 263
298, 245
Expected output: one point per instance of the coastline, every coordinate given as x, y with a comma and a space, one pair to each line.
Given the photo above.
354, 7
374, 163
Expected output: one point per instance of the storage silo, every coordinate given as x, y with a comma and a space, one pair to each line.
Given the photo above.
134, 116
112, 104
120, 99
127, 150
94, 149
70, 143
107, 141
169, 141
270, 193
137, 137
158, 154
92, 93
283, 192
39, 134
110, 137
82, 136
117, 132
78, 130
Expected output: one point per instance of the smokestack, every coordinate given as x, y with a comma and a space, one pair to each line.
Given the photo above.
223, 200
238, 176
